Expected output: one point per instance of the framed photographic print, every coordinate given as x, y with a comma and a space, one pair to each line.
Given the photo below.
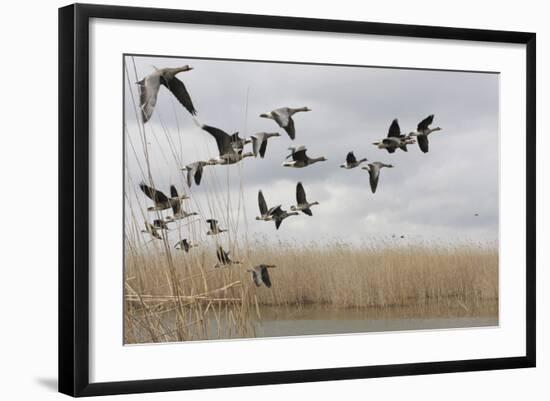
249, 199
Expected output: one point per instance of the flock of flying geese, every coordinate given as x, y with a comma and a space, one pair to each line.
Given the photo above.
231, 151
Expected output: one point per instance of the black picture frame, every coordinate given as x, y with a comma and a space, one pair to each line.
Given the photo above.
74, 198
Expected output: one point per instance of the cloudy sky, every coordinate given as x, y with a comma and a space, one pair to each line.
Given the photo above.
431, 196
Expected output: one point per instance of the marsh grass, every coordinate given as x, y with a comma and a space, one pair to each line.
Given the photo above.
431, 281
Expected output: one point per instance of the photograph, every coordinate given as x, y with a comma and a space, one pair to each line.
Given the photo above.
268, 198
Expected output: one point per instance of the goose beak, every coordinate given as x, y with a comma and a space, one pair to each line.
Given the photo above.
263, 115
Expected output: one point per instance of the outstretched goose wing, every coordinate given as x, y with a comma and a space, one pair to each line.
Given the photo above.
300, 194
180, 92
175, 202
263, 148
223, 140
350, 158
265, 277
374, 173
220, 255
289, 128
300, 155
425, 123
256, 277
212, 223
198, 173
148, 92
423, 143
394, 130
261, 203
173, 191
153, 194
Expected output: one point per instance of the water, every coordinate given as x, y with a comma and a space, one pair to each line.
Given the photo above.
322, 320
313, 321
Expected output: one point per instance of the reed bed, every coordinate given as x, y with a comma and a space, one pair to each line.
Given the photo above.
433, 280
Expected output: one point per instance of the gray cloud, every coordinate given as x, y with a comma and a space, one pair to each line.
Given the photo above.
426, 196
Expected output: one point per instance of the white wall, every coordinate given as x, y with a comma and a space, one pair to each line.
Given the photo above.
28, 161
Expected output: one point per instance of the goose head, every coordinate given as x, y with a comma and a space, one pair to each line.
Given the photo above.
185, 68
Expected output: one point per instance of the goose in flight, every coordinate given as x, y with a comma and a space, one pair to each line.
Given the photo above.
228, 154
278, 215
162, 202
224, 259
374, 173
351, 161
265, 213
160, 224
259, 142
422, 131
152, 230
260, 275
214, 228
283, 118
395, 139
184, 245
194, 171
180, 215
301, 201
150, 85
300, 159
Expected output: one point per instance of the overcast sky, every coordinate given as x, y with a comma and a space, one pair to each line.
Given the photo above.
431, 196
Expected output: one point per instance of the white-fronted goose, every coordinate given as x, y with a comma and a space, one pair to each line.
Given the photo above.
260, 275
259, 142
150, 229
264, 211
194, 171
351, 161
422, 131
224, 259
228, 154
162, 202
374, 173
185, 245
160, 224
214, 228
300, 159
278, 215
283, 118
150, 85
301, 202
394, 139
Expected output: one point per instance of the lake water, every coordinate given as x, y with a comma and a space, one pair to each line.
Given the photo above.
319, 320
315, 321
